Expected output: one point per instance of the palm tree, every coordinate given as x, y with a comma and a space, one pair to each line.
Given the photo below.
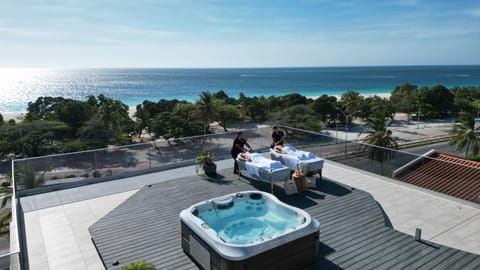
379, 139
206, 107
463, 135
142, 116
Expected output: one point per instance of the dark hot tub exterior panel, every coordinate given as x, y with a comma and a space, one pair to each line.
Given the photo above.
296, 254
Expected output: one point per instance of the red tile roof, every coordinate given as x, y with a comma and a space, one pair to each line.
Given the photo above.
445, 173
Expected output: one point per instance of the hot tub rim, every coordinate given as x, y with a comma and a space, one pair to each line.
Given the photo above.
236, 252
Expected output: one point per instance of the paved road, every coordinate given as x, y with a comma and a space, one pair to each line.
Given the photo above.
441, 147
401, 131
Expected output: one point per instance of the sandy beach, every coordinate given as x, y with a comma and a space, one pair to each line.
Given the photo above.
387, 96
17, 116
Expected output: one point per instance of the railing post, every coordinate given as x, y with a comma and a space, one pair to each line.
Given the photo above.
149, 158
13, 183
95, 160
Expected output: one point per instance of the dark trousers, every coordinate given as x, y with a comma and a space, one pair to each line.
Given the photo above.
235, 166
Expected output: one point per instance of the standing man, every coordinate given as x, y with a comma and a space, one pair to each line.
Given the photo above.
277, 136
237, 148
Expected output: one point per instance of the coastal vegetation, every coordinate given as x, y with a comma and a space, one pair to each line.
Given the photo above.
60, 125
138, 265
379, 139
465, 136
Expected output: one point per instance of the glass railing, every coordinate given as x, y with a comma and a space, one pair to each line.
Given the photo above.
10, 261
9, 234
43, 173
395, 164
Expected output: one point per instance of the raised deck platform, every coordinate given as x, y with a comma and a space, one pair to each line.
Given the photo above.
355, 233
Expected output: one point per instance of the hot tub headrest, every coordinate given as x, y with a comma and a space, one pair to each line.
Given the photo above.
223, 203
255, 196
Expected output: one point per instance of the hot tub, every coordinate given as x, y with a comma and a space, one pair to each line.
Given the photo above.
249, 230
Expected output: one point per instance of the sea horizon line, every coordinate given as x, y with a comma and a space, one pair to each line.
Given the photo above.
249, 67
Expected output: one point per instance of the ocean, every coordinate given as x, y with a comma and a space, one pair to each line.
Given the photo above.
132, 86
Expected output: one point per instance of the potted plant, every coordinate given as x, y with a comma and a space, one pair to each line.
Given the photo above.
205, 161
138, 265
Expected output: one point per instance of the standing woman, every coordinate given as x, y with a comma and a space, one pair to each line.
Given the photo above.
277, 137
237, 148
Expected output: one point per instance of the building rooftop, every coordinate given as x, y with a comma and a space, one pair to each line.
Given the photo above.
366, 221
355, 233
445, 173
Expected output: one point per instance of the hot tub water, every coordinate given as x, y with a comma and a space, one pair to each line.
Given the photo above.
247, 220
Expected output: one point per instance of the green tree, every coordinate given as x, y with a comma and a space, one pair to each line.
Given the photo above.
74, 113
253, 108
372, 105
160, 124
146, 111
437, 101
325, 106
293, 99
186, 111
223, 96
206, 109
80, 144
44, 108
164, 105
274, 103
142, 118
225, 113
1, 119
113, 115
300, 116
379, 139
464, 135
39, 137
256, 109
95, 134
350, 102
465, 97
402, 97
173, 125
9, 140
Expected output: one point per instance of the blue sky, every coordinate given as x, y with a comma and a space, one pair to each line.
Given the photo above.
175, 33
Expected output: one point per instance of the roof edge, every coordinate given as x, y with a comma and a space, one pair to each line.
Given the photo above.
413, 162
413, 187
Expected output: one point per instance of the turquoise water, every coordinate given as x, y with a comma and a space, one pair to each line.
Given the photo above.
250, 221
132, 86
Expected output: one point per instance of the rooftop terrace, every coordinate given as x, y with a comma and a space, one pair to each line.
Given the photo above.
367, 220
355, 231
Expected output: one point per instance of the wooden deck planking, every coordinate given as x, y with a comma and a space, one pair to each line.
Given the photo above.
353, 228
